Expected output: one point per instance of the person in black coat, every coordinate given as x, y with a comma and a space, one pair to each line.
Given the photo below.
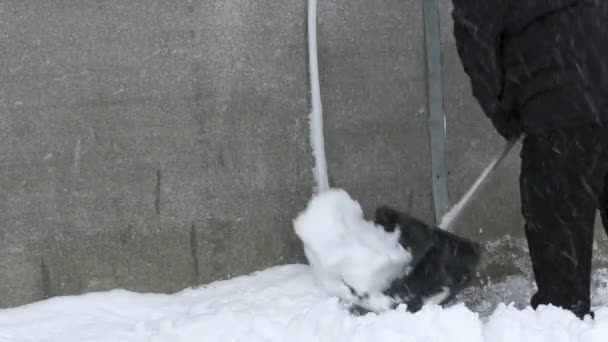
540, 68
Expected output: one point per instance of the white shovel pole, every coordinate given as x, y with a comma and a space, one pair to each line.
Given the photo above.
452, 215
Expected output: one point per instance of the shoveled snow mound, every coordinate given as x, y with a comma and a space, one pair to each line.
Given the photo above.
342, 247
280, 304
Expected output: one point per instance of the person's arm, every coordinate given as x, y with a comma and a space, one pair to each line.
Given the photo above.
478, 29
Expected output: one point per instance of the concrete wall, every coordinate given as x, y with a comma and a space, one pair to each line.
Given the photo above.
148, 145
155, 145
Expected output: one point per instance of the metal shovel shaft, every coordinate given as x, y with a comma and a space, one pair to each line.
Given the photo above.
453, 214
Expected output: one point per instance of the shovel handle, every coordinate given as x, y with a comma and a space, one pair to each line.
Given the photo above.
452, 215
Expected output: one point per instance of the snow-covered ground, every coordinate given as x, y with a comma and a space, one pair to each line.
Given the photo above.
280, 304
293, 303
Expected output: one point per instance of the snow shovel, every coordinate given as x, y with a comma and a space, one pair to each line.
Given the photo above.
443, 263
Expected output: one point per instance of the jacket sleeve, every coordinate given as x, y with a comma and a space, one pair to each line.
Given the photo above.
478, 29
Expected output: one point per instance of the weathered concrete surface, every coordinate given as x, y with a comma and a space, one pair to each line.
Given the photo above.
374, 93
155, 145
148, 145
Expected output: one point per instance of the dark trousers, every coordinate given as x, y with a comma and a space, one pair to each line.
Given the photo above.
564, 180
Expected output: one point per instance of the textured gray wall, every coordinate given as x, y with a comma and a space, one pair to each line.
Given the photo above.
148, 145
155, 145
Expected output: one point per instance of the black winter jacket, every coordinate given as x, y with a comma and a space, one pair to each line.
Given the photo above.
535, 64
